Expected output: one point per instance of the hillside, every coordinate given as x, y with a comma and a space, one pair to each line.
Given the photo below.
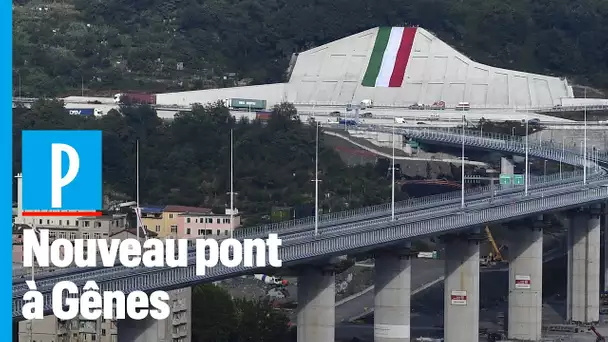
69, 46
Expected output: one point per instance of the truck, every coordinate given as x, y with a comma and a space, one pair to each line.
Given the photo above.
347, 122
439, 105
367, 103
135, 98
245, 104
84, 111
263, 115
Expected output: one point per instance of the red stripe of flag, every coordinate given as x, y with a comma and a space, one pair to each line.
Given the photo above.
403, 56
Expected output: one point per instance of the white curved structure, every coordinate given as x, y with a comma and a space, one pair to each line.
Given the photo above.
395, 67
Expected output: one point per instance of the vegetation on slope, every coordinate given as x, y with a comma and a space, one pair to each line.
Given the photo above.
187, 161
65, 45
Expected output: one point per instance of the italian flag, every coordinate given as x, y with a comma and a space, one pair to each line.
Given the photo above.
389, 57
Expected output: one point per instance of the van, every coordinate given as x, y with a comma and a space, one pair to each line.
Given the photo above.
463, 106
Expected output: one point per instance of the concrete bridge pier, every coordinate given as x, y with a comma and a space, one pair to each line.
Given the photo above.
526, 282
461, 287
507, 166
393, 278
584, 266
316, 304
604, 251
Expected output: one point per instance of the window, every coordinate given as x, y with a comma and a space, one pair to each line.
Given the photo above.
226, 232
218, 232
201, 232
72, 235
173, 229
97, 235
48, 221
170, 215
217, 221
188, 231
67, 222
157, 228
145, 226
97, 224
40, 221
60, 222
87, 223
103, 332
86, 236
188, 220
76, 223
208, 220
226, 220
62, 235
52, 235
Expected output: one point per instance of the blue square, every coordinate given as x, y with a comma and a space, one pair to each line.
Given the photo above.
77, 176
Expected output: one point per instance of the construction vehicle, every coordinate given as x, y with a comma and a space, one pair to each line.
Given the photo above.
495, 257
269, 280
598, 336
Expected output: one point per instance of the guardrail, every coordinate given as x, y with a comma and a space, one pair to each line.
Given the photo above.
339, 240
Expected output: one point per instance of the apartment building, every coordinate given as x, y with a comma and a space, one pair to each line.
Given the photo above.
51, 329
163, 219
194, 225
66, 227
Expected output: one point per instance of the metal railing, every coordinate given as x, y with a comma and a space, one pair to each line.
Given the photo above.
369, 228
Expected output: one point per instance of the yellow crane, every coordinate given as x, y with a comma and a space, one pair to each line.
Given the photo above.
494, 256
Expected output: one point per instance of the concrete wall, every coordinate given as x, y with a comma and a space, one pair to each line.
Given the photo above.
273, 93
331, 74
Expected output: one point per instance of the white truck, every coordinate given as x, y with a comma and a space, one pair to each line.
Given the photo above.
367, 103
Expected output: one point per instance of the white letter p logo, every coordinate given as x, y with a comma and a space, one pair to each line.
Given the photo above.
57, 179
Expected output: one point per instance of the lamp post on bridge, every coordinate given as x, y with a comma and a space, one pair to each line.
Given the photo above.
462, 166
527, 170
393, 182
316, 180
585, 140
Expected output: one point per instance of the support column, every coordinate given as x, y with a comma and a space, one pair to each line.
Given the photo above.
393, 276
584, 267
145, 330
507, 166
526, 283
316, 305
461, 303
605, 249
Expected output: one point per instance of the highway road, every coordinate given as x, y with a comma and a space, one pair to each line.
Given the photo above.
424, 271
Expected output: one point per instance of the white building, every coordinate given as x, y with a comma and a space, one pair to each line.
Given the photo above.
431, 70
176, 328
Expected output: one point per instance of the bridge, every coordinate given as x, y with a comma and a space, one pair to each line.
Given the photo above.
372, 231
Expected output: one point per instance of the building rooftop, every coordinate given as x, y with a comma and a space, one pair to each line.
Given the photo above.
152, 209
134, 232
184, 209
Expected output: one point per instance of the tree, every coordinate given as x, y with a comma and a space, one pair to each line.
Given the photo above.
213, 314
225, 43
187, 160
260, 322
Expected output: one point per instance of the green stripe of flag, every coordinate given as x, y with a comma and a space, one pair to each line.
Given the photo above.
375, 61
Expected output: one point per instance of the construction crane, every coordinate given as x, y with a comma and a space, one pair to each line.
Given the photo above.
598, 336
495, 256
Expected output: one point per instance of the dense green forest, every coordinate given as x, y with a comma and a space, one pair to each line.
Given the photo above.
101, 46
187, 161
